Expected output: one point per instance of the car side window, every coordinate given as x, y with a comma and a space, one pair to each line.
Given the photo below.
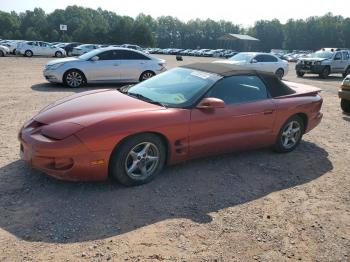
239, 89
259, 58
111, 55
270, 58
345, 55
130, 55
338, 56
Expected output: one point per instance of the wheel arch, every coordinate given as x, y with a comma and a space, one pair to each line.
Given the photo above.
164, 139
304, 117
73, 69
145, 71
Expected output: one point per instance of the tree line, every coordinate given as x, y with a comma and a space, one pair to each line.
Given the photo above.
87, 25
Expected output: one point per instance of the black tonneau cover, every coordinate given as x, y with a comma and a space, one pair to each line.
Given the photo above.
275, 86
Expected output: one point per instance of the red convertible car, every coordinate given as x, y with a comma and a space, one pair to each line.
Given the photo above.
187, 112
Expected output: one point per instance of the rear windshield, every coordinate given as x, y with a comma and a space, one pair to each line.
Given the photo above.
275, 86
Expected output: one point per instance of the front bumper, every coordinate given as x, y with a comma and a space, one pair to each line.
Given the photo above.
67, 159
311, 69
344, 94
53, 76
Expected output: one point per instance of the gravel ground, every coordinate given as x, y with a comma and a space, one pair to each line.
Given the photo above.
249, 206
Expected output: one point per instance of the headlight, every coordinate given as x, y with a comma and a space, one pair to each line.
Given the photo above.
318, 63
54, 66
60, 130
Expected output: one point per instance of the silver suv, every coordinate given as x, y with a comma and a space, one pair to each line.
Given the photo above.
325, 62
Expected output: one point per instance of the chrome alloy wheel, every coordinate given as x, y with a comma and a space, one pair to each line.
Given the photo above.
142, 160
291, 134
74, 79
147, 75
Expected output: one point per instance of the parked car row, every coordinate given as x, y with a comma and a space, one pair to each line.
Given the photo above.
57, 49
194, 52
291, 56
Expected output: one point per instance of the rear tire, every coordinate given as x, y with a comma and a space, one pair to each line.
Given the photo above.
290, 135
279, 73
74, 78
300, 74
138, 160
2, 53
146, 75
325, 73
345, 105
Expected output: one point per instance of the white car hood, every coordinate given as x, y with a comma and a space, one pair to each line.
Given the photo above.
61, 60
312, 59
230, 62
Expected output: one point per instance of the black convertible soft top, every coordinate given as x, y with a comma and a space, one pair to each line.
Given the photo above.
275, 86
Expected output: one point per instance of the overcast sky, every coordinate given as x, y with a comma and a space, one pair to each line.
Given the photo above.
244, 12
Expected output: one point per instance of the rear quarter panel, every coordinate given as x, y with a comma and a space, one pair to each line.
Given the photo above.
286, 107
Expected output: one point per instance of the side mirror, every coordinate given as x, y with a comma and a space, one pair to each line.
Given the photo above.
210, 103
94, 58
253, 61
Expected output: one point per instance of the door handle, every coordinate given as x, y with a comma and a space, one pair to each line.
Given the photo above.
268, 112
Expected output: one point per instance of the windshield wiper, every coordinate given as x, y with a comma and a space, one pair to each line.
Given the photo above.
146, 99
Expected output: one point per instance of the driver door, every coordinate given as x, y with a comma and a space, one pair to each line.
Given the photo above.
106, 68
338, 64
246, 121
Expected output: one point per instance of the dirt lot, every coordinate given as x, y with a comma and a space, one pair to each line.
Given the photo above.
248, 206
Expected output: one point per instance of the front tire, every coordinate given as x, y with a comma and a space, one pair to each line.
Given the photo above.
345, 105
290, 135
28, 53
138, 160
300, 74
146, 75
74, 79
279, 73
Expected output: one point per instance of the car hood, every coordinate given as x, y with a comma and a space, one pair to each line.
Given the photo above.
90, 107
62, 60
312, 59
231, 62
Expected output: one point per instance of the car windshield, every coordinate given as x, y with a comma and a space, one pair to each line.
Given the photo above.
322, 54
244, 57
179, 87
90, 54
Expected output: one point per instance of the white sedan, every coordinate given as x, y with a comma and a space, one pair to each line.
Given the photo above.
104, 65
82, 49
30, 48
259, 61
